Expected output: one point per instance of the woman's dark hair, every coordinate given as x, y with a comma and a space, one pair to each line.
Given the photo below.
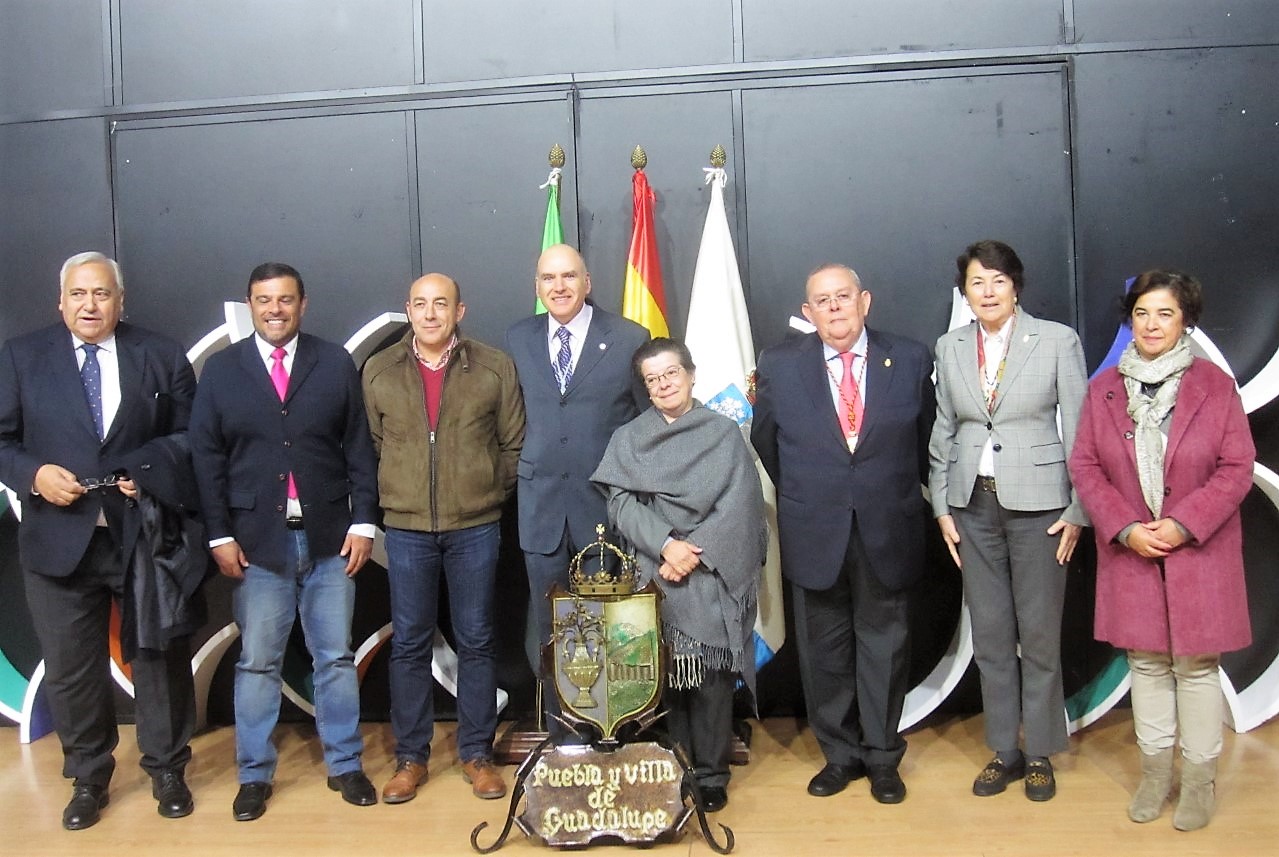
995, 255
662, 345
1184, 288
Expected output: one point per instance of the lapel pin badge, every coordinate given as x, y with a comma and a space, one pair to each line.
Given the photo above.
888, 361
603, 345
1025, 337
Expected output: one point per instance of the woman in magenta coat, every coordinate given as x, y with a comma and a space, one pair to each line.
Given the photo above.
1162, 459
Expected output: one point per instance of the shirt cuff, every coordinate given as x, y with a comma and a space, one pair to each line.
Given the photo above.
368, 531
1122, 538
222, 541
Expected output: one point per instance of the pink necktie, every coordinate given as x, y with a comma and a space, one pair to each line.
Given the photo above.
280, 378
850, 415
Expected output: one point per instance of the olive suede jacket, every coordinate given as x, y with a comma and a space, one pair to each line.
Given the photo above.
459, 475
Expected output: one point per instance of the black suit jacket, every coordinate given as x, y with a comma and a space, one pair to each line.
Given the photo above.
45, 418
245, 442
822, 489
565, 435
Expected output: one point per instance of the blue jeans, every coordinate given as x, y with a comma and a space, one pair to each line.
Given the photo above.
468, 558
264, 605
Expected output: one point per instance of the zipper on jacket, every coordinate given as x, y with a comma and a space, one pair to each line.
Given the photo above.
435, 519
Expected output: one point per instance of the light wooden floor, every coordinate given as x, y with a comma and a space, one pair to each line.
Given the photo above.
769, 811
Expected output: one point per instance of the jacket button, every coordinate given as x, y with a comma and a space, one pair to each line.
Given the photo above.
563, 476
279, 508
284, 412
146, 467
997, 447
1110, 395
1128, 435
282, 477
989, 426
563, 440
1167, 491
288, 443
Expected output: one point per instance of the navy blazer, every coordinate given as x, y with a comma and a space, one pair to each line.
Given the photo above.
565, 435
45, 419
245, 442
822, 489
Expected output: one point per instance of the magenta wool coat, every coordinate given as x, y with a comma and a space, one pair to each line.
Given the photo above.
1207, 473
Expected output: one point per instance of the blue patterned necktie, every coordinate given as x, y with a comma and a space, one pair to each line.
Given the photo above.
91, 377
563, 369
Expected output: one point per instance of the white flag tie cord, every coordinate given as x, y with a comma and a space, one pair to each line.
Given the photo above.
552, 179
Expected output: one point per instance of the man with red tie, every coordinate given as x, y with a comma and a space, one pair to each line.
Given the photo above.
288, 485
842, 421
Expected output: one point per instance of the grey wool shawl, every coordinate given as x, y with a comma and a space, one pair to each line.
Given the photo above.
692, 479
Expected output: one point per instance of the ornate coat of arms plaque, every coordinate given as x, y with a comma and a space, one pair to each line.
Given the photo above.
607, 656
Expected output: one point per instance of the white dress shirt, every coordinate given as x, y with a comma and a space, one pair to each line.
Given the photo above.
993, 344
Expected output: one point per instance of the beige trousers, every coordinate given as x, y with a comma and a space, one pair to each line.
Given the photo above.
1177, 692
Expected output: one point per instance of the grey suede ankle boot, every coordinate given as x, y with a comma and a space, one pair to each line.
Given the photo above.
1156, 782
1198, 795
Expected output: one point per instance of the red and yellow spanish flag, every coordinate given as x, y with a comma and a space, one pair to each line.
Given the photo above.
643, 299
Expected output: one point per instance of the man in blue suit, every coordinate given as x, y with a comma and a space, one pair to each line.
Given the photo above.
288, 484
574, 364
77, 399
842, 421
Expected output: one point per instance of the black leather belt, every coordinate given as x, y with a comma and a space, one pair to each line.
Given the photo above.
296, 523
986, 483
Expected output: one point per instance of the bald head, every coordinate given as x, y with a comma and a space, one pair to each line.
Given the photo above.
562, 282
434, 308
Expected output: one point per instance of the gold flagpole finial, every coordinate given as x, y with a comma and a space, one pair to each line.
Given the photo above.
556, 156
718, 157
639, 160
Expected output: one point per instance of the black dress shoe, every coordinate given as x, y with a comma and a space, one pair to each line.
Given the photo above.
833, 779
173, 798
355, 788
714, 798
996, 776
85, 807
886, 784
250, 801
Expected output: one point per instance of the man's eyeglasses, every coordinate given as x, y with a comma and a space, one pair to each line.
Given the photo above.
91, 482
825, 302
672, 374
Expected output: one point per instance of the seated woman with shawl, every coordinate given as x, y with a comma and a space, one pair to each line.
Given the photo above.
683, 490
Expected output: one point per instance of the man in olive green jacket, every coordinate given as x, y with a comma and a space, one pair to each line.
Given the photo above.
447, 418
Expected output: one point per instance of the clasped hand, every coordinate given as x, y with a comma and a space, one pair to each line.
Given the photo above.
679, 559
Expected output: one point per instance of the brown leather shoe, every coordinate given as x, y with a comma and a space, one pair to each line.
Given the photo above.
402, 787
484, 777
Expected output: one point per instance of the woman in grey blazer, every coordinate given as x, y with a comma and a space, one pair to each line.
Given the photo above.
1002, 497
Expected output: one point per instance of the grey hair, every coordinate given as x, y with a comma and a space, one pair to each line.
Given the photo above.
90, 258
837, 266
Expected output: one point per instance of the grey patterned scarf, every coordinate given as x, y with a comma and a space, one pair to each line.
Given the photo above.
1149, 409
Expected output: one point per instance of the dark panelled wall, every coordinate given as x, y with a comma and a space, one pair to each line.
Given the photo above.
366, 143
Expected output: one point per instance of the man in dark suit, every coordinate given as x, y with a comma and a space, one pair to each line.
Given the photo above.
76, 400
288, 485
842, 420
574, 364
